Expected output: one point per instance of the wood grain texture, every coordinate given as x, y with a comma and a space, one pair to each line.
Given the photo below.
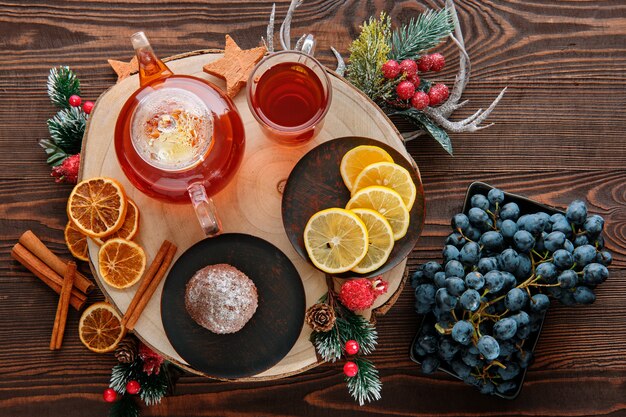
559, 135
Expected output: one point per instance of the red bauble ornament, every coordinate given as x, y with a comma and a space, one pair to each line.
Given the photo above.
74, 100
438, 94
420, 100
415, 79
133, 387
151, 361
352, 347
88, 106
405, 90
109, 395
438, 62
350, 369
425, 63
408, 67
390, 69
359, 294
68, 170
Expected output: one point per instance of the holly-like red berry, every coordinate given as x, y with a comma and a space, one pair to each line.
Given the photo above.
405, 90
420, 100
350, 369
438, 62
74, 100
408, 67
109, 395
390, 69
425, 63
133, 387
352, 347
88, 106
438, 94
415, 79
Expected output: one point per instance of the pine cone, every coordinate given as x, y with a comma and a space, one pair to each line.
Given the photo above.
321, 317
127, 349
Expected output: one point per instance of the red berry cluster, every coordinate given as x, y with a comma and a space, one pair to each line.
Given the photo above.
406, 89
75, 101
132, 387
350, 368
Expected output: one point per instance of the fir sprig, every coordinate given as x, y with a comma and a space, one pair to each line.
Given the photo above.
421, 34
67, 128
153, 387
365, 386
62, 83
368, 53
355, 327
126, 406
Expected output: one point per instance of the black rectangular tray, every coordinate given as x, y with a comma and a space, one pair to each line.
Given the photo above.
526, 206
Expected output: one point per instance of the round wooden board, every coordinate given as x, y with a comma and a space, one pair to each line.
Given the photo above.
250, 204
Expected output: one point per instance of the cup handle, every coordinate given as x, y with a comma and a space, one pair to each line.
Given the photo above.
205, 210
308, 46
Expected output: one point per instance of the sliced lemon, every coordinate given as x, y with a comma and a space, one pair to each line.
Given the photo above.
388, 175
380, 237
358, 158
385, 201
336, 240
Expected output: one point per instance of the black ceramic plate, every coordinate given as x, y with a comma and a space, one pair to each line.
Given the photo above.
271, 332
526, 206
315, 184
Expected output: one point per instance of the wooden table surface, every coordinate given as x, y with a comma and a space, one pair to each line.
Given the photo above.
559, 135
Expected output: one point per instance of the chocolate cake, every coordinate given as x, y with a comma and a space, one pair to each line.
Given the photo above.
221, 298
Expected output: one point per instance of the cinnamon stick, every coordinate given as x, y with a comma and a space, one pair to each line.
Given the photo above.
31, 242
154, 283
147, 278
46, 274
64, 303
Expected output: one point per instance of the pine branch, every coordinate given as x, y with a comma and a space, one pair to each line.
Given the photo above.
67, 128
126, 406
62, 83
153, 387
124, 372
353, 326
368, 53
365, 385
328, 344
421, 34
56, 155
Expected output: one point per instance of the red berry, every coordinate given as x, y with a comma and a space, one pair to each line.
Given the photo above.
109, 395
74, 100
88, 106
425, 63
133, 387
408, 67
391, 69
415, 79
352, 347
350, 369
438, 94
405, 90
438, 62
420, 100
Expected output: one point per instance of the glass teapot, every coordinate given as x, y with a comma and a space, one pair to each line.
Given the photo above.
178, 138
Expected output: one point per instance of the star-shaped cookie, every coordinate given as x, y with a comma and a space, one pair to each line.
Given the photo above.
124, 69
235, 66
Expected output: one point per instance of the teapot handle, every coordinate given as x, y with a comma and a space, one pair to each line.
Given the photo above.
205, 210
150, 67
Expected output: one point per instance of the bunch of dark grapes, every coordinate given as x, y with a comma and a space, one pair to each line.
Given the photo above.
500, 270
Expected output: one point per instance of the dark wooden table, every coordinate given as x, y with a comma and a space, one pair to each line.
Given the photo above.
560, 134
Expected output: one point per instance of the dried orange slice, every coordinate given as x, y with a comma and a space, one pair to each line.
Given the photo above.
121, 262
76, 242
129, 228
100, 328
97, 206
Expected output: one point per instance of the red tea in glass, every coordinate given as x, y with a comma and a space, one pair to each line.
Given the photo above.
289, 94
178, 138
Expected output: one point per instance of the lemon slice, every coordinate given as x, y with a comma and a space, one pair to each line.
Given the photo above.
336, 240
385, 201
388, 175
358, 158
380, 237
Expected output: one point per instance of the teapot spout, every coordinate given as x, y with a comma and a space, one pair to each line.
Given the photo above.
150, 67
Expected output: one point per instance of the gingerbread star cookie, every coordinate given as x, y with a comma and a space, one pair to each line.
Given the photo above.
235, 66
124, 69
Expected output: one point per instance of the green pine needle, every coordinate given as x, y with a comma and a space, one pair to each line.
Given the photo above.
355, 327
368, 53
62, 83
365, 385
56, 155
126, 406
67, 128
421, 34
153, 387
328, 344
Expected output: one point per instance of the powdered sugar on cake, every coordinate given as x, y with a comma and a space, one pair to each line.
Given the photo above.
221, 298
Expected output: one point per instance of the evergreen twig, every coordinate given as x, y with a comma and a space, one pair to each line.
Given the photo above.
365, 385
62, 83
67, 128
153, 387
421, 34
126, 406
